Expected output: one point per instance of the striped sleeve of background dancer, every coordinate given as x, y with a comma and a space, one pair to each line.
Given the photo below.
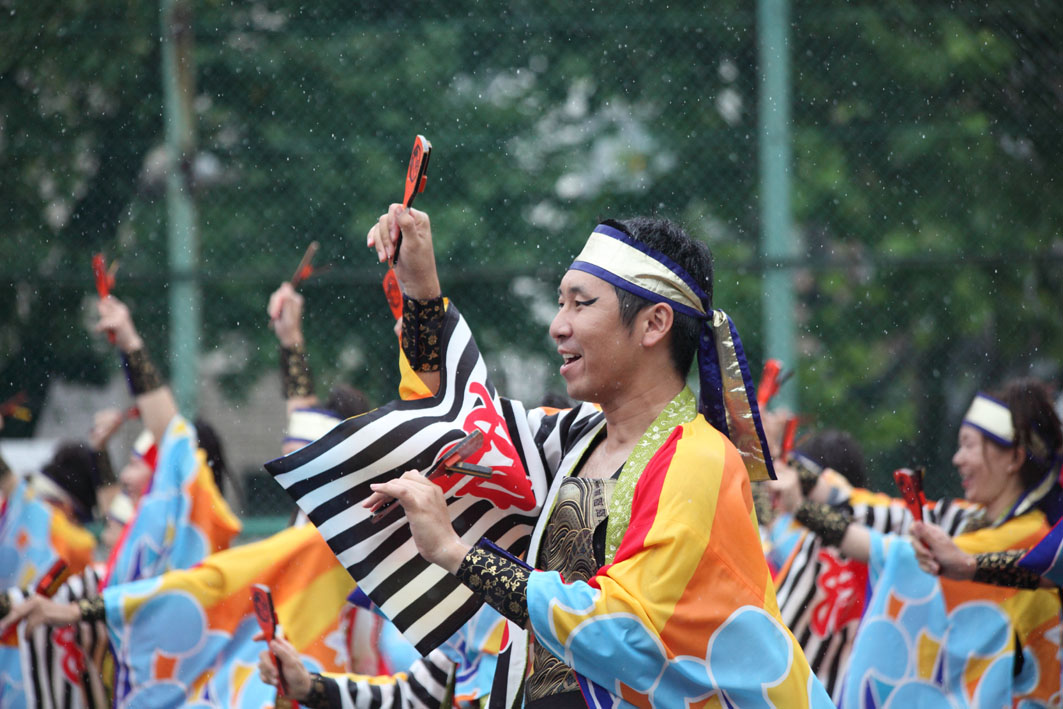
424, 686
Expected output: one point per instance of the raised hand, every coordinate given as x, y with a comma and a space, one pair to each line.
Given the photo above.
116, 318
416, 269
286, 315
295, 674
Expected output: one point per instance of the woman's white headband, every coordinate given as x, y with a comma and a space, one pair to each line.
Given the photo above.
992, 418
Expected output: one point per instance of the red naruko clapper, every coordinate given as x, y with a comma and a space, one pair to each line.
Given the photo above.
416, 179
910, 483
266, 615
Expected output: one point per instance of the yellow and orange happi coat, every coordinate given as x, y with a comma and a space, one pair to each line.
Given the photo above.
685, 614
926, 641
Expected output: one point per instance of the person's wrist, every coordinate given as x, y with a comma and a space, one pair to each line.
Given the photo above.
423, 291
292, 339
130, 343
452, 555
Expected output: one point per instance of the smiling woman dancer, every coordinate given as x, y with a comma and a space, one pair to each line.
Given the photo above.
925, 641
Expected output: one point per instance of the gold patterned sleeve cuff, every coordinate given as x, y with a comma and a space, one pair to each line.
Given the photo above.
1001, 568
826, 522
807, 471
324, 692
295, 372
501, 580
92, 609
140, 372
422, 328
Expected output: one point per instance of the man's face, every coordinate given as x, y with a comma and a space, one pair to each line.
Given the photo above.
599, 352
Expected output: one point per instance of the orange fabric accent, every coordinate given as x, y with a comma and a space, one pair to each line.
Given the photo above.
210, 512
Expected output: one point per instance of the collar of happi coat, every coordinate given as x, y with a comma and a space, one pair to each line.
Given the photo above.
682, 409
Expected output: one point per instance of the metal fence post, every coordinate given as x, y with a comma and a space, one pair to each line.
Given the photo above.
178, 76
777, 243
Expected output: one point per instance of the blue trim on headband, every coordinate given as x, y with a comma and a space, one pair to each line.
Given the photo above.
751, 397
983, 395
623, 284
990, 435
710, 396
711, 400
668, 263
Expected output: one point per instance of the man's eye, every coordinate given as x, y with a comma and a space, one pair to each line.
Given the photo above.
592, 301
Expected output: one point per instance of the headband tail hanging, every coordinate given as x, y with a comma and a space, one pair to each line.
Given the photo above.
728, 397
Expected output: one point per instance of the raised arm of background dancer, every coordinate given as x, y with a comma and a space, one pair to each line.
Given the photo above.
154, 398
286, 317
835, 526
416, 271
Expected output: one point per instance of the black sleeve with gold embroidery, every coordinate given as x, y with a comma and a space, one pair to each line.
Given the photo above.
828, 523
499, 578
140, 372
1001, 568
324, 693
808, 473
92, 609
295, 372
422, 326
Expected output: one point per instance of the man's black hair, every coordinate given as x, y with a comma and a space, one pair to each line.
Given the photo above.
346, 401
693, 256
210, 443
832, 448
554, 400
73, 468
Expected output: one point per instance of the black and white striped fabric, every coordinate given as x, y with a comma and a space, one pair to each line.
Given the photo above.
60, 665
809, 592
424, 686
330, 478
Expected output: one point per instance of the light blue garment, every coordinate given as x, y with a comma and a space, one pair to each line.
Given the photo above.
161, 537
884, 664
783, 535
26, 551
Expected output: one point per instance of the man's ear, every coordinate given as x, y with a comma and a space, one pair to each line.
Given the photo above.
657, 323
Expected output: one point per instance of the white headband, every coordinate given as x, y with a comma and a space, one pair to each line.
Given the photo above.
610, 254
992, 418
306, 425
46, 487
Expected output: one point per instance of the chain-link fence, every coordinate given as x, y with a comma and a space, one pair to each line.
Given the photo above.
926, 206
